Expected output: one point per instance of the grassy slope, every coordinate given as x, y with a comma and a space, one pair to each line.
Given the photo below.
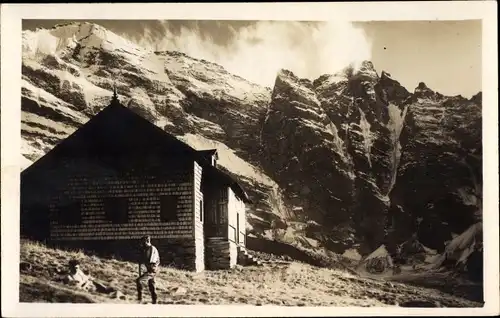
293, 284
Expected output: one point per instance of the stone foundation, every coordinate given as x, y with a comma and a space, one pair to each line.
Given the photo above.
218, 253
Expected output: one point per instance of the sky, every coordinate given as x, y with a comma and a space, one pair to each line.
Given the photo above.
446, 55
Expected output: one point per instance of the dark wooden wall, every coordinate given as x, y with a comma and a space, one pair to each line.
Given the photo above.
91, 183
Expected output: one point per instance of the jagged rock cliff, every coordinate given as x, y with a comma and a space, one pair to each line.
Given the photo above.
334, 145
348, 160
439, 181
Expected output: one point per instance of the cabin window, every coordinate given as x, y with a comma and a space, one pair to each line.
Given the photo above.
201, 210
70, 213
168, 208
116, 210
224, 195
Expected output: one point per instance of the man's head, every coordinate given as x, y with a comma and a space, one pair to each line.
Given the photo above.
146, 240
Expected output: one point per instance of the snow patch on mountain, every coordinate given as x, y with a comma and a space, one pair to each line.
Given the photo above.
378, 253
365, 71
467, 196
464, 244
50, 127
396, 123
34, 148
204, 78
46, 99
352, 254
333, 79
71, 83
206, 127
337, 141
300, 88
24, 162
85, 36
140, 97
163, 122
365, 126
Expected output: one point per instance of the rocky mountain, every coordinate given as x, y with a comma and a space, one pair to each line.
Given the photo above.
348, 160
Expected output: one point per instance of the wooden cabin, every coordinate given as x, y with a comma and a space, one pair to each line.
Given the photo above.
118, 178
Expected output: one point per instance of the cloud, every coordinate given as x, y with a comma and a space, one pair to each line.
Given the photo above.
258, 51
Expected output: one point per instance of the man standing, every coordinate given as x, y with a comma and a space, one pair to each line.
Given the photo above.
150, 258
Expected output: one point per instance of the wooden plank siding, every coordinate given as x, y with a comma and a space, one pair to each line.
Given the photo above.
237, 227
198, 217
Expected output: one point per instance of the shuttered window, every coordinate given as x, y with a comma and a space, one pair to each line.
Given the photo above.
223, 195
168, 208
70, 213
116, 210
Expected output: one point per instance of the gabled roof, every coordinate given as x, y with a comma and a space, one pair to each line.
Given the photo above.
118, 130
207, 155
213, 172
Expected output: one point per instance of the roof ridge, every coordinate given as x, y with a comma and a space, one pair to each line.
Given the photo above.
97, 122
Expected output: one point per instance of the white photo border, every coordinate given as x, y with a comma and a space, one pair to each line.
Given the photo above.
11, 20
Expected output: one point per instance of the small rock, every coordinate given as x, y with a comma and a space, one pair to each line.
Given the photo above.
55, 264
242, 300
113, 283
100, 287
117, 295
178, 291
25, 266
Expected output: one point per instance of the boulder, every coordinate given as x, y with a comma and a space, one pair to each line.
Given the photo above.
178, 290
25, 266
117, 295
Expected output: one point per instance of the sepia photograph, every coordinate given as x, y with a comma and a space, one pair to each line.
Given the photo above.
258, 162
